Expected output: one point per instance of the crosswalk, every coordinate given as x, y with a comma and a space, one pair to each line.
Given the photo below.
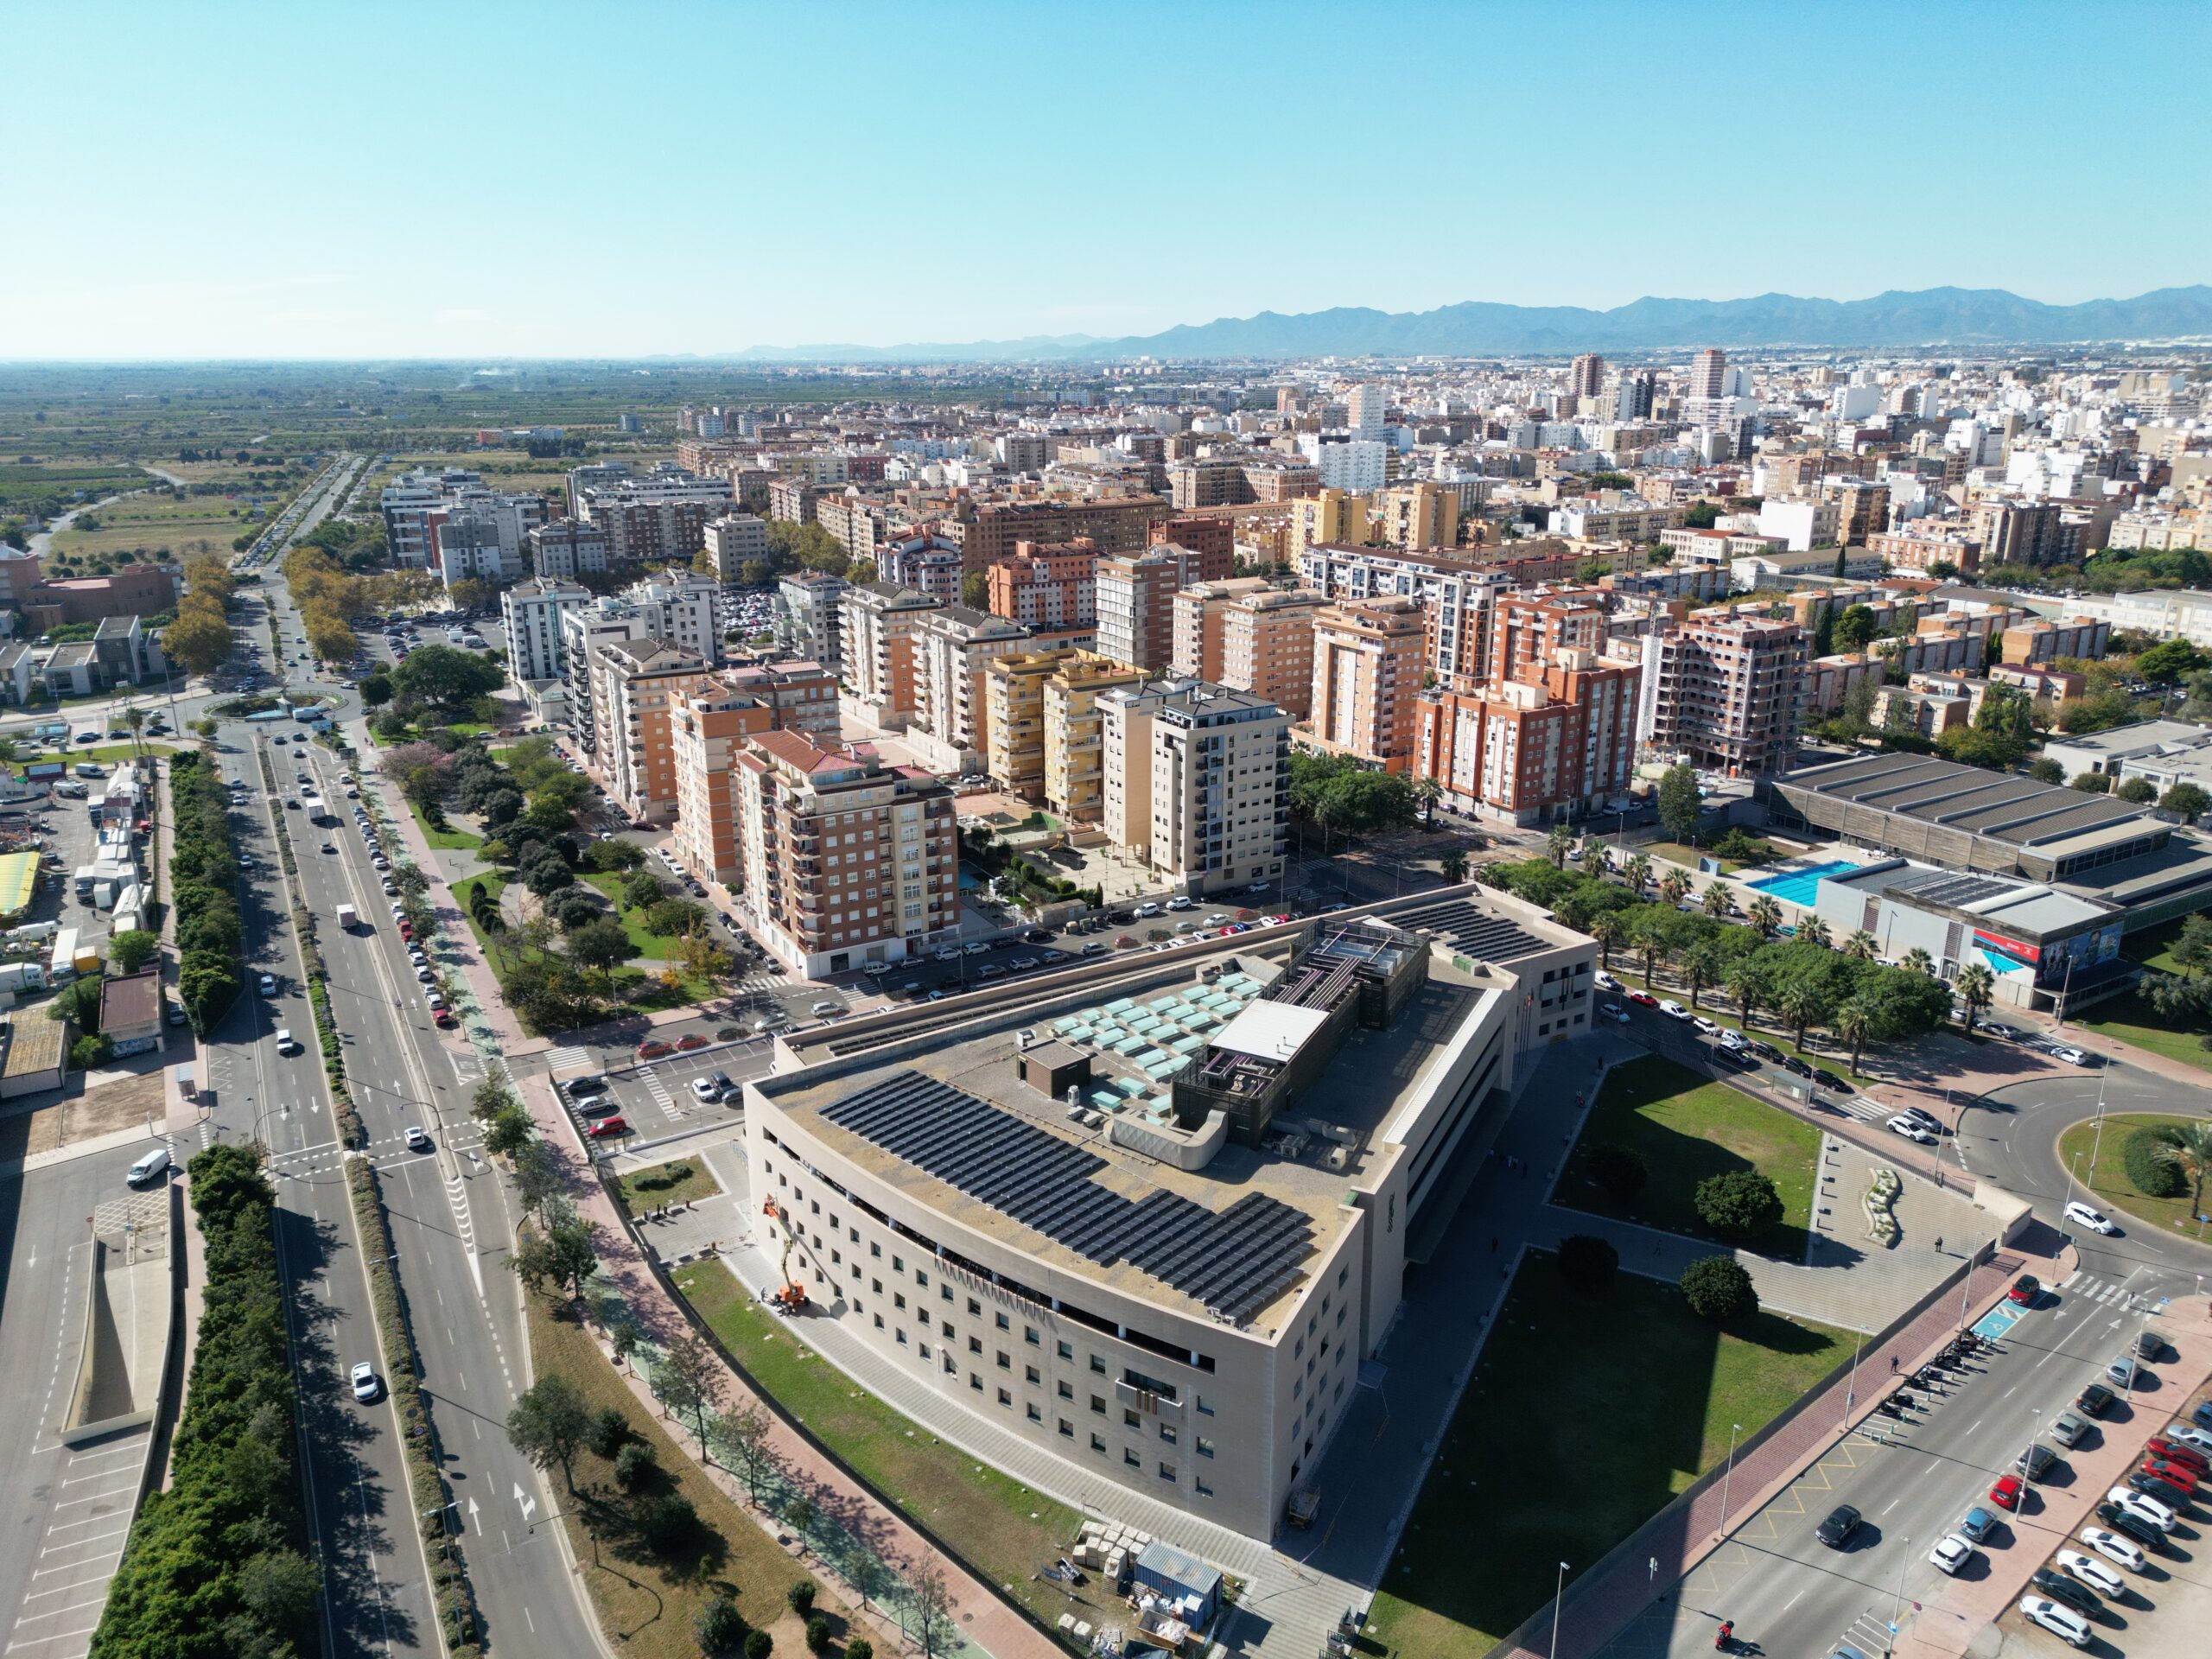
567, 1058
2107, 1293
659, 1089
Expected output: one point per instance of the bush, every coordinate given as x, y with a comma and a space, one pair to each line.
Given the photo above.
800, 1597
1587, 1263
1619, 1173
2152, 1177
719, 1626
818, 1634
667, 1522
610, 1429
91, 1051
634, 1465
759, 1644
860, 1646
1738, 1204
1718, 1288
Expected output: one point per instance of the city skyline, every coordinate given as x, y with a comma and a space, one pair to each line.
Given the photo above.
630, 199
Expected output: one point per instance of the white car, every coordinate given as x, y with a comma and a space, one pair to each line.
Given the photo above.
1705, 1027
2093, 1573
1673, 1009
2113, 1548
426, 974
1606, 981
1182, 901
2071, 1056
1731, 1037
2063, 1623
1911, 1130
2096, 1220
1145, 911
269, 984
364, 1382
1951, 1553
2142, 1508
705, 1088
1614, 1012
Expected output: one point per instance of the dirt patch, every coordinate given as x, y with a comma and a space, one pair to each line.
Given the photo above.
119, 1101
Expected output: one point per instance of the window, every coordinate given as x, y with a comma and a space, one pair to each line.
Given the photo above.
1167, 1471
899, 1299
1006, 1360
1067, 1429
974, 1307
1099, 1364
879, 1321
1204, 1490
899, 1334
1006, 1397
945, 1291
876, 1250
1029, 1335
975, 1344
1098, 1442
1167, 1432
1199, 1401
1001, 1322
945, 1329
1130, 1420
975, 1382
1029, 1410
898, 1264
875, 1286
1064, 1390
1064, 1351
1099, 1404
1130, 1457
1029, 1376
1205, 1446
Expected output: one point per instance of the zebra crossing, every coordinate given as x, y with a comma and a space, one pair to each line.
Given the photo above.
567, 1058
2108, 1293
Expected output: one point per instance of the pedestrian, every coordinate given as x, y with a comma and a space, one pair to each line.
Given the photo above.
1893, 1364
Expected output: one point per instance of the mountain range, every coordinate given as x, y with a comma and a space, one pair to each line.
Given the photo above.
1969, 318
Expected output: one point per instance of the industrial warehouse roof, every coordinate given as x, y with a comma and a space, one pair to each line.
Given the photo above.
1997, 806
18, 882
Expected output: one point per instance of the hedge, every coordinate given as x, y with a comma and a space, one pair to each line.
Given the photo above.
2153, 1177
218, 1564
203, 886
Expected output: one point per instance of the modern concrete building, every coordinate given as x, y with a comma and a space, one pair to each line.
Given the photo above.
950, 732
634, 687
810, 617
1199, 612
1046, 584
1527, 628
882, 650
531, 613
1367, 673
567, 547
1455, 595
1194, 780
2027, 644
656, 517
1013, 696
842, 860
734, 541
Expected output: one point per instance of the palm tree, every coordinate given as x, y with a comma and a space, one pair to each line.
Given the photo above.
1674, 886
1609, 930
1815, 931
1717, 901
134, 719
1800, 1005
1428, 792
1919, 960
1854, 1023
1637, 872
1745, 985
1977, 988
1557, 845
1454, 865
1861, 946
1702, 964
2187, 1148
1649, 935
1764, 914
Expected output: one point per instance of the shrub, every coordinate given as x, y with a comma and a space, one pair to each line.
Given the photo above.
1587, 1263
1738, 1204
818, 1634
2152, 1177
1619, 1173
860, 1647
610, 1429
719, 1626
1718, 1288
800, 1597
668, 1522
634, 1465
759, 1644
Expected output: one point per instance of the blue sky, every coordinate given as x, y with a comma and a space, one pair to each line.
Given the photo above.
557, 178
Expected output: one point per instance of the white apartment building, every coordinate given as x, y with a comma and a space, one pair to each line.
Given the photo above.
1456, 595
810, 620
955, 646
1194, 782
1611, 516
531, 613
879, 653
632, 686
734, 539
1801, 525
1361, 467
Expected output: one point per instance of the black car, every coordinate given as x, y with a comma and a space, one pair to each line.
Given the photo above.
2164, 1491
1768, 1052
2036, 1460
2132, 1526
2073, 1594
1038, 935
1836, 1531
1740, 1058
2094, 1400
1791, 1063
1123, 918
1829, 1080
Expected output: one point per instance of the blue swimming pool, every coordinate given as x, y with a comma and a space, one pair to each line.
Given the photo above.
1801, 887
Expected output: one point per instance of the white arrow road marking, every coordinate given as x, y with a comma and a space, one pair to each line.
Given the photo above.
528, 1503
473, 1520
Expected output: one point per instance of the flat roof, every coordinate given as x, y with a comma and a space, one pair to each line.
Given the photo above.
1997, 806
132, 1000
1271, 1030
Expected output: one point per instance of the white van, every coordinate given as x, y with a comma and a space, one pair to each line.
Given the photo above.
150, 1168
285, 1043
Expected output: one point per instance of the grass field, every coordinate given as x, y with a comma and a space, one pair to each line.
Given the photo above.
1003, 1531
645, 1602
1685, 1129
2107, 1177
2153, 946
646, 942
449, 840
464, 895
153, 526
664, 1184
1684, 855
1502, 1506
2131, 1019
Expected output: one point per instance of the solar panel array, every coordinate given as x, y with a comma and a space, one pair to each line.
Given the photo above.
1234, 1261
1469, 928
1949, 889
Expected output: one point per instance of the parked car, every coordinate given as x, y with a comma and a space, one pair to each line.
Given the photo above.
608, 1127
1673, 1009
690, 1040
1829, 1080
2150, 1344
2095, 1400
2068, 1427
1911, 1130
2024, 1291
1978, 1523
1951, 1553
2036, 1461
2006, 1492
2133, 1525
1614, 1012
2063, 1623
2180, 1452
2143, 1506
1643, 999
2113, 1548
2059, 1587
2124, 1373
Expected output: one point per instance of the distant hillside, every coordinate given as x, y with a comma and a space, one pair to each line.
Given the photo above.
1936, 316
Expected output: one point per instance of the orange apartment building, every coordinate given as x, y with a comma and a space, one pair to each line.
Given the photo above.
1266, 647
1046, 584
707, 726
1368, 657
1557, 742
1526, 629
842, 860
1200, 611
633, 685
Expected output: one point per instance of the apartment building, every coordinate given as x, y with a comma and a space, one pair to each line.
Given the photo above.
842, 860
1074, 733
928, 564
1367, 671
810, 617
1611, 516
734, 541
657, 518
1585, 376
1330, 518
633, 685
1115, 524
1527, 628
1455, 595
708, 722
483, 536
1199, 612
2026, 645
1135, 601
408, 504
1729, 693
1266, 647
1557, 742
1210, 534
1195, 776
1862, 510
953, 648
1013, 698
565, 548
881, 650
852, 521
1918, 550
1046, 584
1829, 681
1216, 481
1416, 516
531, 613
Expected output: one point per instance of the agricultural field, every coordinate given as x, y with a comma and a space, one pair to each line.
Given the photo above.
151, 527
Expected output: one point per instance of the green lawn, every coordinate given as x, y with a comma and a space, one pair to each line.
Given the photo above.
1685, 1129
1686, 856
665, 1184
2131, 1019
412, 735
646, 942
1003, 1531
2107, 1177
107, 754
447, 840
1503, 1502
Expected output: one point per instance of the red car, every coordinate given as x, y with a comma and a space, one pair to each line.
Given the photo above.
607, 1128
2179, 1474
697, 1040
443, 1019
2005, 1494
652, 1049
2174, 1452
2026, 1289
1643, 999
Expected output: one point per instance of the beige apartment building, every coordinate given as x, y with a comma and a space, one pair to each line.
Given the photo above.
1199, 610
1075, 765
707, 725
1526, 629
842, 860
1330, 518
881, 650
633, 685
1367, 674
1194, 782
1730, 692
1013, 698
954, 647
1416, 516
1266, 647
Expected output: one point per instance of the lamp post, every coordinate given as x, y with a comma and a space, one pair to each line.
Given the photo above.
1851, 1391
1728, 1475
1897, 1607
1559, 1593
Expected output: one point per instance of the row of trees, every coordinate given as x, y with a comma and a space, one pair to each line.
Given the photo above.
323, 574
200, 639
2183, 999
203, 886
1337, 793
1810, 981
215, 1566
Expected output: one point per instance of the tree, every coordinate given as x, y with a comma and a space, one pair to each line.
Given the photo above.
976, 590
2186, 802
1977, 987
759, 1644
818, 1634
1609, 930
719, 1627
573, 1253
1717, 901
2044, 770
549, 1425
1453, 867
1855, 1023
199, 640
931, 1599
800, 1597
668, 1523
376, 690
446, 681
2093, 782
1617, 1172
1747, 985
1855, 627
2187, 1149
1702, 964
690, 1383
1764, 913
1718, 1288
509, 1131
548, 874
635, 1467
599, 946
1918, 960
2140, 791
744, 1431
2168, 661
1861, 946
130, 950
1587, 1263
1813, 931
1674, 886
1738, 1204
1678, 801
1635, 870
1557, 845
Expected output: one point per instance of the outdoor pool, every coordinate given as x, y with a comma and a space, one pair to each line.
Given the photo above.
1801, 887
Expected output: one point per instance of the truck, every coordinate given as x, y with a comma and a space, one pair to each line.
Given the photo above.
348, 918
22, 976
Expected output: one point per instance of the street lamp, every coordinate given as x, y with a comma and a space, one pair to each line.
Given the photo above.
1728, 1475
1897, 1607
1559, 1592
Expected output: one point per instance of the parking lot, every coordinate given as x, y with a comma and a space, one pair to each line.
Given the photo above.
655, 1098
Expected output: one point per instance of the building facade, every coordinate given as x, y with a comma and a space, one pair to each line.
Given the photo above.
1195, 779
1367, 674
